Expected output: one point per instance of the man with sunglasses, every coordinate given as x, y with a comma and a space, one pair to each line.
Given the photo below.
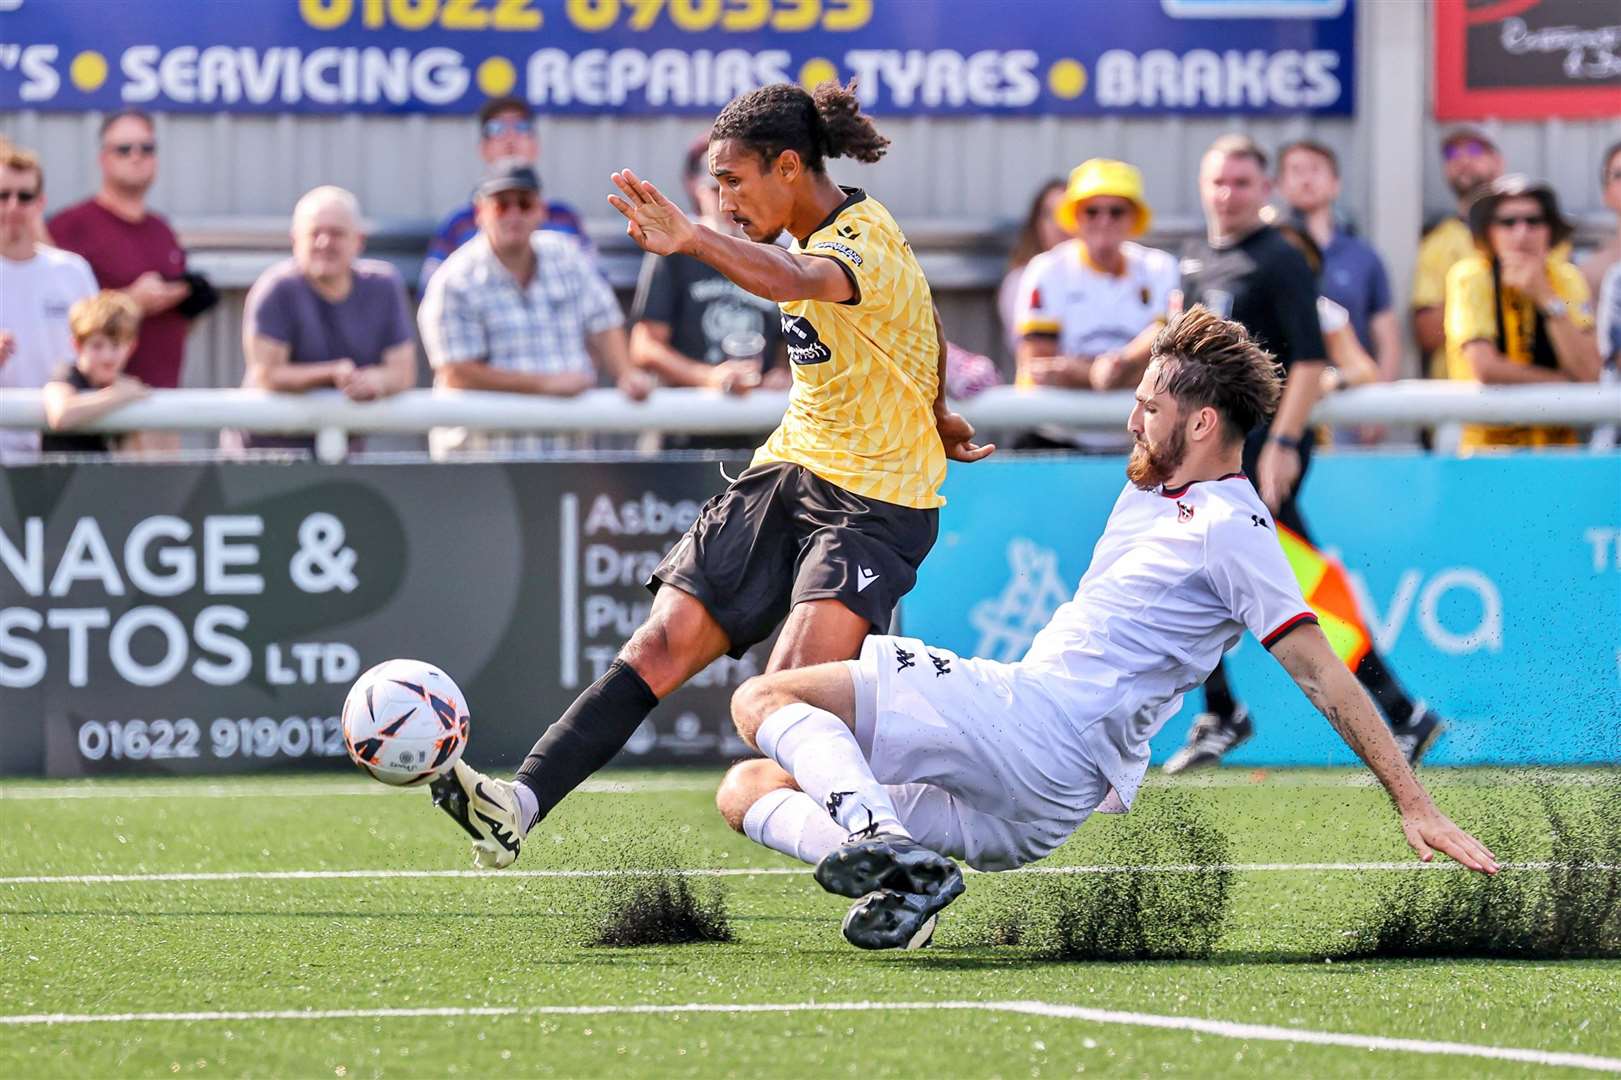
132, 248
38, 284
506, 128
1088, 309
1469, 160
521, 310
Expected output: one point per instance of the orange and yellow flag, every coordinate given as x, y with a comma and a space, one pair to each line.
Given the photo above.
1327, 589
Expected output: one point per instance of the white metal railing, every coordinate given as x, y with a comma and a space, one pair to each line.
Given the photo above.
332, 417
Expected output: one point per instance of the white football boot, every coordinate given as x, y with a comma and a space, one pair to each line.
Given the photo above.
487, 808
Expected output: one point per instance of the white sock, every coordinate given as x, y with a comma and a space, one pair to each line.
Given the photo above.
823, 757
793, 823
528, 806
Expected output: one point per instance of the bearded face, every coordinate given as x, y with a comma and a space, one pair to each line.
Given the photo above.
1154, 461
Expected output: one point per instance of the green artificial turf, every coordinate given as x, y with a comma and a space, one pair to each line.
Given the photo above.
507, 941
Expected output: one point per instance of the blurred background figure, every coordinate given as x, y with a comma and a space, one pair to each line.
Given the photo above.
1088, 309
1469, 158
506, 132
692, 326
326, 317
1038, 232
1351, 275
1599, 261
104, 330
1517, 311
521, 311
131, 247
38, 286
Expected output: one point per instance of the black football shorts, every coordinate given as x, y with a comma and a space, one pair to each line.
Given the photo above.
781, 535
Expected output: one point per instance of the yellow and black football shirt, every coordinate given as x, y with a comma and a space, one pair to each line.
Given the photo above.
861, 412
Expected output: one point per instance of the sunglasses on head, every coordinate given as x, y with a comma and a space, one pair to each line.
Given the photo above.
1530, 221
23, 197
1112, 213
125, 149
495, 128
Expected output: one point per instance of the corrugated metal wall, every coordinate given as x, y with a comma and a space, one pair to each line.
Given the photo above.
943, 177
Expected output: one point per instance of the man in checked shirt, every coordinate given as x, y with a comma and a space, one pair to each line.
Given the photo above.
521, 311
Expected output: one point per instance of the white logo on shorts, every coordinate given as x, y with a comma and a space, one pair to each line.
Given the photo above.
866, 577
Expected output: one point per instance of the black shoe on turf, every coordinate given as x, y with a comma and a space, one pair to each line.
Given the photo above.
1415, 737
866, 863
897, 920
1210, 739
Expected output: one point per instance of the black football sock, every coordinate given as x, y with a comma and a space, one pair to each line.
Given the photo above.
1218, 697
587, 736
1385, 690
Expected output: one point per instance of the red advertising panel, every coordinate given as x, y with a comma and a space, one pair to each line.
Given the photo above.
1527, 59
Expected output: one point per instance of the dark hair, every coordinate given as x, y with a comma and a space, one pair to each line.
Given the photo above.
1310, 146
1236, 145
1208, 360
1027, 243
18, 159
126, 113
1489, 196
498, 105
1604, 162
826, 124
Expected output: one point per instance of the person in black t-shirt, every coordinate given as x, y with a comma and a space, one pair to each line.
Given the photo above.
695, 327
104, 329
1246, 271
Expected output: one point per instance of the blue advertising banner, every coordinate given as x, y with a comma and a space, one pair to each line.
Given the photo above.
1491, 585
1064, 57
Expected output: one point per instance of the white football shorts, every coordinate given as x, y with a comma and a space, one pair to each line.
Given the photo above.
980, 762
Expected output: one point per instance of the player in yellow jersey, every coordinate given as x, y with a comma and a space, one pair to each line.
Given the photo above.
831, 520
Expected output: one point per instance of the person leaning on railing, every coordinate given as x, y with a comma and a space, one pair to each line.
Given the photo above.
1515, 312
326, 317
522, 312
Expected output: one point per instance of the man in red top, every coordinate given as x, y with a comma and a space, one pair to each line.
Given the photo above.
132, 249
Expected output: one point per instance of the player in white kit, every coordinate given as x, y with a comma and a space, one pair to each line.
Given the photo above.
881, 770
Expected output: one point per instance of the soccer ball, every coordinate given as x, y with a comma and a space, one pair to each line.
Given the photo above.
405, 722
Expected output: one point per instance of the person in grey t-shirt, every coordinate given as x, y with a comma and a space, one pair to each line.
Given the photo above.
326, 317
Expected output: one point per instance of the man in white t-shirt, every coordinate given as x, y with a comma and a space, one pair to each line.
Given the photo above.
882, 769
1088, 309
38, 284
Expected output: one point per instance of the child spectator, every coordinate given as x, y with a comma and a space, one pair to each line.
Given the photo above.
104, 328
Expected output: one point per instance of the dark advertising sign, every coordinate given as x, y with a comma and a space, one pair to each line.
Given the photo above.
211, 618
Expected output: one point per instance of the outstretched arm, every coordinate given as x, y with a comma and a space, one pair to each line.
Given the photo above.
660, 226
1305, 653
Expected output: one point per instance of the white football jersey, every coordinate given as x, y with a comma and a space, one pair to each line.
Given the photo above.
1063, 294
1177, 577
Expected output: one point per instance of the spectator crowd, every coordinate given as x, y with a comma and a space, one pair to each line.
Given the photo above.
96, 298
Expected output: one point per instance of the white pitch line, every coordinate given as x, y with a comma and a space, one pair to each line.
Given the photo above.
1221, 1028
55, 792
251, 789
735, 871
